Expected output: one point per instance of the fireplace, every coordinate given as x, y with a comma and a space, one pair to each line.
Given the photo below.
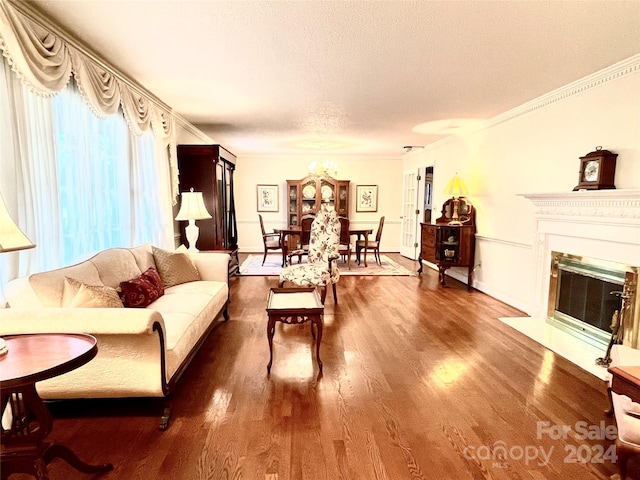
586, 297
599, 235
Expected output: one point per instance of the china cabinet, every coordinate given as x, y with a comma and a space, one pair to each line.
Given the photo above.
449, 245
209, 169
307, 195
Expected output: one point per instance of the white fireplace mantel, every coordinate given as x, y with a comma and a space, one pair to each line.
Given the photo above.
616, 206
603, 224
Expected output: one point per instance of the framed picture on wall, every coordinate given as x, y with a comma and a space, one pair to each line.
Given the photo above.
267, 198
366, 198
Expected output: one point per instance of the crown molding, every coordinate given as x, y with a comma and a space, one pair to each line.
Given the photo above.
192, 129
620, 69
617, 70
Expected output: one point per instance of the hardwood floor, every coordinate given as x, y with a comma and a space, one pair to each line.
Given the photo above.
419, 382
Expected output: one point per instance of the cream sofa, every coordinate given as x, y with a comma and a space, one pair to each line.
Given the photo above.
142, 352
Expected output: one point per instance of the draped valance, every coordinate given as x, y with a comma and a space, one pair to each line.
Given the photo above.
44, 62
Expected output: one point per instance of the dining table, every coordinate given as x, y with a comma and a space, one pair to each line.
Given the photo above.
297, 229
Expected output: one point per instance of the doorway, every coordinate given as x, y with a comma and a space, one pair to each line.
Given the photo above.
417, 198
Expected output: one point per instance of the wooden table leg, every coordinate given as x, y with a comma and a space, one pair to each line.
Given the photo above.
56, 450
283, 247
366, 245
441, 275
24, 450
317, 321
271, 326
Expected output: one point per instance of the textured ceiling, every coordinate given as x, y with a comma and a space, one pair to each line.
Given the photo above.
349, 77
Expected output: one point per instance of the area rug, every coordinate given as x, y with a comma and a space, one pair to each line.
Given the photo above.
272, 266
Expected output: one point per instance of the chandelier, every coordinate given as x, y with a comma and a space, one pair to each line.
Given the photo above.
325, 168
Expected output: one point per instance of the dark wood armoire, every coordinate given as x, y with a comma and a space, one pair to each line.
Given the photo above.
209, 169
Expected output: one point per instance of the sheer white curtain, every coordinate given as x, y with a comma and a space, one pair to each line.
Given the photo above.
151, 192
28, 176
93, 166
111, 186
111, 183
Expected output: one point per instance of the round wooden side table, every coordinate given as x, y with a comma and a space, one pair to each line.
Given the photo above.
30, 359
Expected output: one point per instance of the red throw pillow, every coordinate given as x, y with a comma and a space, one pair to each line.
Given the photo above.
142, 290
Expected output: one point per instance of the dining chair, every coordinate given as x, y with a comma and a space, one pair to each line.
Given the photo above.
344, 248
303, 239
372, 245
271, 241
321, 268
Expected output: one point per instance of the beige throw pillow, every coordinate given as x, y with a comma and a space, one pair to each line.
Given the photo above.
78, 294
174, 267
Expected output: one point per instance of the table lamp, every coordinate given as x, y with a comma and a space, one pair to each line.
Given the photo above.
192, 209
456, 188
11, 237
11, 240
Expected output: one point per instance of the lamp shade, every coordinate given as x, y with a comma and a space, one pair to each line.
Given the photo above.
456, 187
11, 238
192, 207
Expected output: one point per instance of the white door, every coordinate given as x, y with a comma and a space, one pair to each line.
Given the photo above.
410, 212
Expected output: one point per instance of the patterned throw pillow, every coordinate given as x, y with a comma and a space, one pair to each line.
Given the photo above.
174, 267
143, 290
78, 294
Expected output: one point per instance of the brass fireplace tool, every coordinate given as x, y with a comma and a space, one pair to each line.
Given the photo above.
617, 321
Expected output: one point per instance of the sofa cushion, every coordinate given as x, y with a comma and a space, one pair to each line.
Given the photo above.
78, 294
188, 310
144, 256
116, 265
142, 290
48, 286
174, 267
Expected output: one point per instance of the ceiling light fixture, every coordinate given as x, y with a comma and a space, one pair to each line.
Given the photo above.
326, 168
408, 148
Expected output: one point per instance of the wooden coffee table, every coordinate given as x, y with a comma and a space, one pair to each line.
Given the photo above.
294, 306
30, 359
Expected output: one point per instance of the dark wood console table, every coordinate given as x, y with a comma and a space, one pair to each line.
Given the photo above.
449, 243
30, 359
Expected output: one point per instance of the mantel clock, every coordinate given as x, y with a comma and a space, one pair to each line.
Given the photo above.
597, 170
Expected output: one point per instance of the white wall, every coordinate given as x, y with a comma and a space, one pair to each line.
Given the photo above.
535, 148
252, 170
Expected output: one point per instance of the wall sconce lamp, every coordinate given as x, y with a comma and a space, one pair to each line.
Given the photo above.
457, 189
11, 237
192, 209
